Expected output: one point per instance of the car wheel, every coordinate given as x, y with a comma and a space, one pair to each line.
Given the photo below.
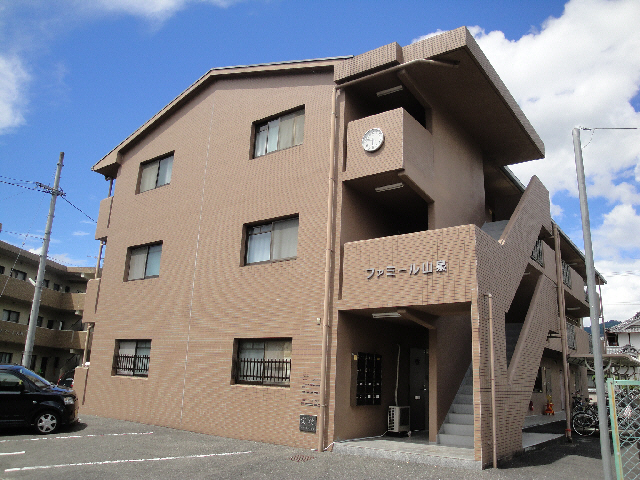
47, 422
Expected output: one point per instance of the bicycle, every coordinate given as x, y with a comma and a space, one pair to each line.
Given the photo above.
584, 417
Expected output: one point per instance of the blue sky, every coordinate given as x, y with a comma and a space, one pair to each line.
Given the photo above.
81, 75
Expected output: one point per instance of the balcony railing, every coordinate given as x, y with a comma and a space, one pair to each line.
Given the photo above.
571, 336
263, 371
566, 274
626, 349
537, 254
136, 365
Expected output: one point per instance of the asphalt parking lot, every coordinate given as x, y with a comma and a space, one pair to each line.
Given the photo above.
100, 448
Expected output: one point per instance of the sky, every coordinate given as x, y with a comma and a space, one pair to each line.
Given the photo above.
79, 76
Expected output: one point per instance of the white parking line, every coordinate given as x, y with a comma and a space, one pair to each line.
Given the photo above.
44, 467
12, 453
74, 436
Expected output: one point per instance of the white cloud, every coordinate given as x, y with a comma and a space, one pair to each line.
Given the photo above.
619, 233
158, 10
14, 80
621, 294
68, 260
79, 233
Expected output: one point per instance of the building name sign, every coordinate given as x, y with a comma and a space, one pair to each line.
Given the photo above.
12, 332
414, 269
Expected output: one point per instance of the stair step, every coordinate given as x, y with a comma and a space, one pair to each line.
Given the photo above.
462, 408
460, 418
455, 440
464, 399
466, 389
454, 429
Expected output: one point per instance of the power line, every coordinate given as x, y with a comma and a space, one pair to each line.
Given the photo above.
65, 199
22, 186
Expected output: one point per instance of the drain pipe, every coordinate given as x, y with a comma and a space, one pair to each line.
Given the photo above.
492, 362
327, 305
328, 273
563, 332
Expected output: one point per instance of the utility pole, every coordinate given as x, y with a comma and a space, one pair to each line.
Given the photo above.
35, 306
605, 446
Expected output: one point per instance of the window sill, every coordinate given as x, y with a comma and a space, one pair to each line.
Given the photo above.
268, 262
260, 385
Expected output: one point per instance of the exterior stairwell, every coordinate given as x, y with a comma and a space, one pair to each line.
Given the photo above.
512, 334
457, 429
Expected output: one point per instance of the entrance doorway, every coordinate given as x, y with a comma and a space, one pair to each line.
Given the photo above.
419, 388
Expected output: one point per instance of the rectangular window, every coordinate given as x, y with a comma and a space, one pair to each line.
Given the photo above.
263, 362
56, 287
156, 173
20, 275
67, 289
5, 357
10, 316
45, 283
144, 262
1, 270
50, 324
39, 322
280, 133
132, 358
276, 240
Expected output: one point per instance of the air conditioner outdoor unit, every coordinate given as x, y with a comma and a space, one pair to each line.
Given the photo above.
398, 419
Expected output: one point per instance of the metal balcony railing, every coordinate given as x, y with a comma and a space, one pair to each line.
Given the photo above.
263, 371
566, 274
136, 365
571, 336
537, 254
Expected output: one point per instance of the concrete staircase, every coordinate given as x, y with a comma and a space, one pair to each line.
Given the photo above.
457, 429
512, 334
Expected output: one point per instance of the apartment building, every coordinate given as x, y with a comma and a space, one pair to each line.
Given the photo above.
60, 339
293, 248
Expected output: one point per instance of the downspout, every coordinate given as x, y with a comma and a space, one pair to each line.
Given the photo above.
327, 305
563, 331
328, 272
492, 363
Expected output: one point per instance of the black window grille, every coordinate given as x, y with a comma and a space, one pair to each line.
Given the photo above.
566, 274
136, 365
261, 371
537, 254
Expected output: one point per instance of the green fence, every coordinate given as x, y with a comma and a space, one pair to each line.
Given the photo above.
624, 413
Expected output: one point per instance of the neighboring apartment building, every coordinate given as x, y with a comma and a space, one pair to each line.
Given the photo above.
623, 345
60, 340
293, 248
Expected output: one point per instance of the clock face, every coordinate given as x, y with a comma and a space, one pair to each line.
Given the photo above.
372, 140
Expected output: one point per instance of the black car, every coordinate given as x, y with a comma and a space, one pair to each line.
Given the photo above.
28, 399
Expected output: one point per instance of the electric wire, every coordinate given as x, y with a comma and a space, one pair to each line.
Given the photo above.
23, 244
77, 208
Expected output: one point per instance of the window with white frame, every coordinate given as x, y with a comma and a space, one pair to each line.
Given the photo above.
279, 133
263, 361
144, 262
5, 357
156, 173
132, 358
10, 316
277, 240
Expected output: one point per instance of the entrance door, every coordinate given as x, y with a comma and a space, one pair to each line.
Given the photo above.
419, 388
